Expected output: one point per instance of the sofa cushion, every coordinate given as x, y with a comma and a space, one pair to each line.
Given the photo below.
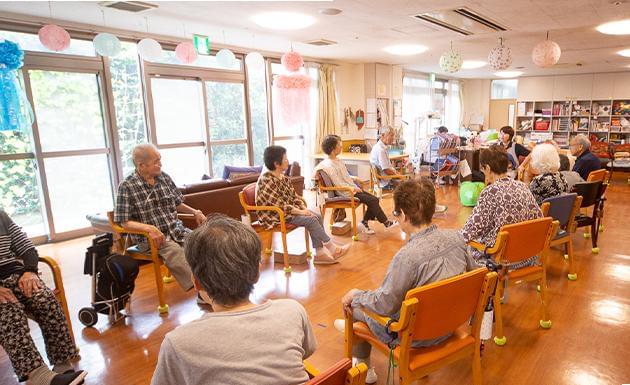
244, 179
211, 184
234, 172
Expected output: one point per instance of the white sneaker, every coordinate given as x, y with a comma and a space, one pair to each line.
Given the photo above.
340, 324
365, 228
371, 377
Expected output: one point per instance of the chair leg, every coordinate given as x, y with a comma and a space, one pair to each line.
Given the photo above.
287, 266
267, 240
594, 234
308, 243
476, 366
572, 274
499, 338
157, 270
332, 218
64, 306
168, 277
545, 322
355, 236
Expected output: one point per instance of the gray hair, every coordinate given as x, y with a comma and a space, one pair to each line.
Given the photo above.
141, 153
545, 158
224, 256
583, 140
385, 130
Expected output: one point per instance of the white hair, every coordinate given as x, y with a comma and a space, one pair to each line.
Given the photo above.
583, 140
545, 158
142, 152
385, 130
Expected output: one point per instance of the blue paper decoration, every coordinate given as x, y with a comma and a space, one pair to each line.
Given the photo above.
15, 110
106, 44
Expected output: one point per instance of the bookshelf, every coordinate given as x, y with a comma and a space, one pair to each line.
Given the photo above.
606, 119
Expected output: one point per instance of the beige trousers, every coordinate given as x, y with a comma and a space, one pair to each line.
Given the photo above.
172, 254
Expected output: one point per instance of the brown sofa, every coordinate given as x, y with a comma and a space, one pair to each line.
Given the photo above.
221, 195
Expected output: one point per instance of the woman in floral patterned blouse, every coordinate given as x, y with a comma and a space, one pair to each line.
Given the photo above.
503, 201
549, 182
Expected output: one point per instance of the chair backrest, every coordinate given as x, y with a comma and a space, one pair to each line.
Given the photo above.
590, 192
341, 373
323, 180
249, 194
445, 305
597, 175
560, 208
526, 239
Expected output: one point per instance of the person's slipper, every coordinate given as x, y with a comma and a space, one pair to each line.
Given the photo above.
324, 261
340, 251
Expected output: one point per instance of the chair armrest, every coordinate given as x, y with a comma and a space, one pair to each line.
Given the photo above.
310, 369
122, 230
278, 210
396, 176
498, 245
347, 189
184, 216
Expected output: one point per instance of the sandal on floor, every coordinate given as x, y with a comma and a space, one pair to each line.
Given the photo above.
340, 251
324, 261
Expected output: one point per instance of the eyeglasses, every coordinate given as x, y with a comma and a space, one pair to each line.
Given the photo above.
396, 213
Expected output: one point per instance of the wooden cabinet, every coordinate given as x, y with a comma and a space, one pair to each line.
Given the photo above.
572, 87
378, 80
535, 88
603, 85
621, 86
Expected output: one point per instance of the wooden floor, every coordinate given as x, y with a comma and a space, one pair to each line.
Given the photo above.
589, 342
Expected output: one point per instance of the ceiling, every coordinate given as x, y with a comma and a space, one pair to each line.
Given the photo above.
365, 27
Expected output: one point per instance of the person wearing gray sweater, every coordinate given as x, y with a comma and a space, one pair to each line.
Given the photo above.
240, 343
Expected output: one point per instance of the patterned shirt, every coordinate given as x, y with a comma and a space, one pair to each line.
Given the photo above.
504, 202
17, 252
548, 185
154, 205
272, 190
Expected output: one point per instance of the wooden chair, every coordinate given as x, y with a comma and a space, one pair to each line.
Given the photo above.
446, 170
563, 209
598, 175
430, 312
59, 291
248, 201
333, 201
515, 243
376, 177
341, 373
152, 255
592, 196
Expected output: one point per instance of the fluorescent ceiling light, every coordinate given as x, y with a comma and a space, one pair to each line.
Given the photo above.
283, 20
624, 52
508, 74
472, 64
620, 27
405, 49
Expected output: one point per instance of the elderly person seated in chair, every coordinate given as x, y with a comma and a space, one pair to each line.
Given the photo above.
440, 141
240, 342
586, 161
275, 189
503, 201
379, 157
571, 177
430, 254
22, 292
338, 173
548, 182
149, 201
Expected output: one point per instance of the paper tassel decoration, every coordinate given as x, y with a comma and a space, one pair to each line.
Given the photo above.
292, 105
106, 44
15, 110
185, 52
54, 37
149, 49
451, 61
226, 58
500, 57
292, 61
254, 60
546, 53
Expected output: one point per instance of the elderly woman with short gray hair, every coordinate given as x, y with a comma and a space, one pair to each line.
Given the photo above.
549, 182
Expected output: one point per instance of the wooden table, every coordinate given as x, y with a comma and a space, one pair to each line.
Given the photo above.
359, 163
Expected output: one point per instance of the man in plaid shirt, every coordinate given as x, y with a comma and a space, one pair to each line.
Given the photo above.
149, 201
275, 189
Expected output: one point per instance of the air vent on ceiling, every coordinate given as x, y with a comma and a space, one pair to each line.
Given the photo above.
129, 6
321, 42
461, 20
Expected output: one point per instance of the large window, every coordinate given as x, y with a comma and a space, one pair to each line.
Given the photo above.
258, 111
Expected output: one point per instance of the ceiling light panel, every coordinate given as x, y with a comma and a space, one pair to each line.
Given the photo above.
619, 27
508, 74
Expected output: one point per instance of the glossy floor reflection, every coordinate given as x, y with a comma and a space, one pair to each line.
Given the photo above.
588, 343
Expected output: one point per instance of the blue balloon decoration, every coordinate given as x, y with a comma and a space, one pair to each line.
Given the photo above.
15, 110
226, 58
106, 44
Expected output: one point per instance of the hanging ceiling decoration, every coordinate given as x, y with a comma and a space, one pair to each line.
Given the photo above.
226, 58
292, 61
451, 61
254, 60
149, 49
546, 53
106, 44
185, 52
292, 106
500, 57
54, 37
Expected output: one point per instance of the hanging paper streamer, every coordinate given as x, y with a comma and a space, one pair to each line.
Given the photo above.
15, 111
292, 104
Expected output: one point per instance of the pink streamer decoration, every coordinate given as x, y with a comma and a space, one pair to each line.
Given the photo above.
292, 61
185, 52
54, 37
292, 104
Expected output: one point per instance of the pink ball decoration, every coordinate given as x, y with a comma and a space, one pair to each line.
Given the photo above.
546, 53
292, 61
54, 37
292, 105
185, 52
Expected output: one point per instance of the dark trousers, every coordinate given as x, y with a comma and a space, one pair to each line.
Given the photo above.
374, 210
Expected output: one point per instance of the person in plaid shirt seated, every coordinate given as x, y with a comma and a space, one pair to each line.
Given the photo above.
149, 201
274, 189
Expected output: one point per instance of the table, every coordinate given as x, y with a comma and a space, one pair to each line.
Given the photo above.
358, 163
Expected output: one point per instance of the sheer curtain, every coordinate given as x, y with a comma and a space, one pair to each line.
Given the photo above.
453, 107
416, 102
327, 121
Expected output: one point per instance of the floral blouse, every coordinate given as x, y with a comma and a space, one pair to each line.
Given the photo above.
548, 185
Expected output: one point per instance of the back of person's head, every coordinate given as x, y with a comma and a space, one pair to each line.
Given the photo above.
273, 155
508, 130
442, 130
494, 157
565, 164
330, 143
224, 256
545, 158
416, 199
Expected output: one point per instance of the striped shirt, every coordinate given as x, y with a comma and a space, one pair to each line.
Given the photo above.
17, 252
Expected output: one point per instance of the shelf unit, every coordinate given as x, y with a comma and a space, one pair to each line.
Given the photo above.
608, 120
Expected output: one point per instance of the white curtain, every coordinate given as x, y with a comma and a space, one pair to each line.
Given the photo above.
416, 102
453, 107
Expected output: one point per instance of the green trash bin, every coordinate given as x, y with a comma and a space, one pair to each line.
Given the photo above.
469, 193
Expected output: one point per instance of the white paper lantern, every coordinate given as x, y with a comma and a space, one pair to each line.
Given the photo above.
500, 57
546, 53
254, 60
106, 44
451, 61
225, 58
149, 49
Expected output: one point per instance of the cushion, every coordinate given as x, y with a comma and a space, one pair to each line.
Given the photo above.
245, 179
233, 172
325, 180
211, 184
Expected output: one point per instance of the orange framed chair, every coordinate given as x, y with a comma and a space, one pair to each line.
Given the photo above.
248, 201
376, 177
341, 373
429, 312
151, 256
564, 208
598, 175
516, 243
333, 201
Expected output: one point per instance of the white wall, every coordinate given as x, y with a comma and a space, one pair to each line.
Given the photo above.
476, 99
350, 93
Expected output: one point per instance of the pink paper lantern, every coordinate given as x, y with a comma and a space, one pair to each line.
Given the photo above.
185, 52
292, 61
54, 37
292, 105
